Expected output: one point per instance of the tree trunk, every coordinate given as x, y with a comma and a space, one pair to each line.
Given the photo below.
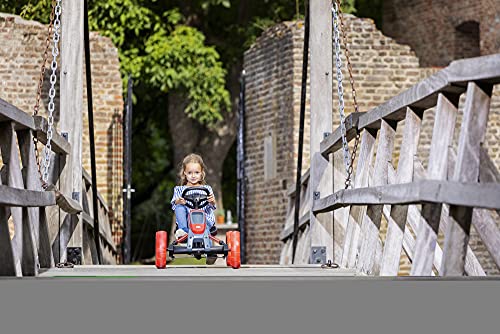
188, 136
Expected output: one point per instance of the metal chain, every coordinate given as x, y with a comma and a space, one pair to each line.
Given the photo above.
356, 109
340, 87
337, 15
40, 83
52, 90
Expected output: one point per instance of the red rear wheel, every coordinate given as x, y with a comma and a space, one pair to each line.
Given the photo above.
233, 242
161, 249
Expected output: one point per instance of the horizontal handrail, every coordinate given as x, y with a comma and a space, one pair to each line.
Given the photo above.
10, 196
478, 195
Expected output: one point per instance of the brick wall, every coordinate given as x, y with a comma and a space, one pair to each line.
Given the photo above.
21, 53
437, 30
382, 68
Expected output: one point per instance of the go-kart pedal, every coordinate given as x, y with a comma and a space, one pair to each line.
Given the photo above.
211, 259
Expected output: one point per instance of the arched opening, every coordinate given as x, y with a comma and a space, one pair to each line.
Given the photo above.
467, 40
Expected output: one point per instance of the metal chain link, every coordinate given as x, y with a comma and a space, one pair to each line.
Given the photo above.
340, 87
36, 109
348, 160
52, 90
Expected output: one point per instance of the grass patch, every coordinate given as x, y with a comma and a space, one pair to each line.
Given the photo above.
178, 261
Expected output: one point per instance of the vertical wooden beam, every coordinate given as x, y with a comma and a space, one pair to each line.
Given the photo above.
341, 215
395, 230
356, 212
31, 216
473, 129
321, 117
10, 158
71, 109
370, 227
442, 137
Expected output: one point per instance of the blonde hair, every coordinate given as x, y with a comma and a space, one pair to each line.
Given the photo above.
191, 158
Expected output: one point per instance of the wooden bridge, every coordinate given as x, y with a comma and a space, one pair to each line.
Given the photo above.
458, 187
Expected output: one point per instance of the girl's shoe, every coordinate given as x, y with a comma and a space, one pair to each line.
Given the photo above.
179, 233
213, 231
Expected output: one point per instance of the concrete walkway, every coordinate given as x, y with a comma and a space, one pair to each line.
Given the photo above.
202, 271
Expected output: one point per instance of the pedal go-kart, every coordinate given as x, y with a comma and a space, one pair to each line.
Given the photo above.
198, 241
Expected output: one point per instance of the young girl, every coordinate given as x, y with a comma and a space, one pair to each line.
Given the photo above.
192, 174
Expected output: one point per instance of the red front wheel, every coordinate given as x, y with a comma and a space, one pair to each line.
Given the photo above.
161, 249
233, 242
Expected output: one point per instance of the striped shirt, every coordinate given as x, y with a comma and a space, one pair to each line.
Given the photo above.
208, 209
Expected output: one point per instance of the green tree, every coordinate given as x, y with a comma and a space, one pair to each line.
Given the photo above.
185, 57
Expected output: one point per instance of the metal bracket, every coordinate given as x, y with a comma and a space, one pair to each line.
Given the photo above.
316, 195
75, 195
64, 135
318, 255
74, 255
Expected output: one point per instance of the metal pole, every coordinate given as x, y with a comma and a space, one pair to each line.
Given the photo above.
301, 128
127, 175
91, 131
240, 169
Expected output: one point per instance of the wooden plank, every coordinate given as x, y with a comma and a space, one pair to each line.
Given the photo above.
395, 232
334, 141
370, 227
303, 181
473, 129
25, 198
58, 143
71, 106
10, 158
474, 195
340, 216
356, 213
321, 71
472, 265
424, 94
442, 137
31, 217
9, 113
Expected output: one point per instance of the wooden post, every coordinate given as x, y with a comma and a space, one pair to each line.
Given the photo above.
473, 129
70, 123
321, 180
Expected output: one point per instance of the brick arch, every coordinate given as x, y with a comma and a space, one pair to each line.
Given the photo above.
467, 40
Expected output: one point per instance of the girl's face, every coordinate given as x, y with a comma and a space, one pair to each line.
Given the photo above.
193, 173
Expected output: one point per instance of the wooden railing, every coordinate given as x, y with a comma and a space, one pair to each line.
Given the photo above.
459, 187
30, 227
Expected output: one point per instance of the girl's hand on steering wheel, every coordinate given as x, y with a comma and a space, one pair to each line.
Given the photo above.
180, 200
211, 199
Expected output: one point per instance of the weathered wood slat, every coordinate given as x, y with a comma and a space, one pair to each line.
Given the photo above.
395, 232
25, 198
10, 158
370, 226
423, 95
474, 195
31, 217
8, 112
288, 232
472, 132
442, 137
87, 219
303, 181
356, 213
334, 141
58, 143
340, 216
472, 265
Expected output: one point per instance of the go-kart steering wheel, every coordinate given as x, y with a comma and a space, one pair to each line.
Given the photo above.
195, 200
